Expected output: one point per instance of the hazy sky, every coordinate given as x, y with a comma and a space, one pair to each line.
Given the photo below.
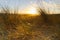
25, 3
16, 3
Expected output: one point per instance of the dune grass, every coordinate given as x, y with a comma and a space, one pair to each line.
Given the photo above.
23, 27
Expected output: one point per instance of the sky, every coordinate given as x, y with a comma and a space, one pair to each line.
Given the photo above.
22, 4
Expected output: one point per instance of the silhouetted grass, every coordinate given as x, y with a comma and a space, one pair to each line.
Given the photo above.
23, 27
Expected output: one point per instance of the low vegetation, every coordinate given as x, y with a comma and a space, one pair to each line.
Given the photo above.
24, 27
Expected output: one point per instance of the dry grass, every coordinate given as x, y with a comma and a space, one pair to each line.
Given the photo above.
23, 27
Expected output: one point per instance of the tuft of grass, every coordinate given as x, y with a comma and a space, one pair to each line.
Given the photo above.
44, 15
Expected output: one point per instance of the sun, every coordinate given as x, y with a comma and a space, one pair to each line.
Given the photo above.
32, 11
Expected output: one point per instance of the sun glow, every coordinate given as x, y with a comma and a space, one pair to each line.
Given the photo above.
32, 11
